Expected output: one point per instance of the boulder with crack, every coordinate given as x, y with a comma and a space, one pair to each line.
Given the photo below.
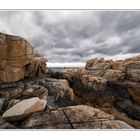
18, 59
74, 117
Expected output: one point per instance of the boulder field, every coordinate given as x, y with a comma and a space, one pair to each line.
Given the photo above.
103, 95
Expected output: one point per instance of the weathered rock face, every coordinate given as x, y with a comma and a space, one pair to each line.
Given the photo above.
24, 108
53, 90
18, 59
74, 117
108, 84
124, 72
60, 90
123, 82
86, 86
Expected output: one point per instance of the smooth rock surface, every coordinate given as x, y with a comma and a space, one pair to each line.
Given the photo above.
24, 108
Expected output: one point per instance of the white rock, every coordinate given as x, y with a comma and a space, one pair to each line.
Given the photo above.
24, 109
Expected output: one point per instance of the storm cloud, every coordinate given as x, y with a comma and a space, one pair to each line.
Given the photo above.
76, 35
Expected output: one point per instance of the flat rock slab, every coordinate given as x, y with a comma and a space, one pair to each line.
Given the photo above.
24, 108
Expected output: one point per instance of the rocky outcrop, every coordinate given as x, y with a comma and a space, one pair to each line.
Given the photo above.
85, 86
55, 90
125, 73
74, 117
107, 84
18, 59
19, 108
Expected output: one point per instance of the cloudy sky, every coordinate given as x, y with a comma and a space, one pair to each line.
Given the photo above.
76, 35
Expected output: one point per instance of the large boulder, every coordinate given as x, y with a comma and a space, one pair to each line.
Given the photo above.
18, 59
24, 108
74, 117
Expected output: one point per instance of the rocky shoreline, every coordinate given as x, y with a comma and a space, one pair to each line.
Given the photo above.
103, 95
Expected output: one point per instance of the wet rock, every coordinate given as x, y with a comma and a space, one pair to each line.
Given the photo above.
24, 108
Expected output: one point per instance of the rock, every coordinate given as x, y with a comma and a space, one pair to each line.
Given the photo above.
1, 103
121, 99
133, 75
85, 85
11, 93
123, 83
60, 90
119, 65
18, 59
114, 75
107, 83
129, 68
117, 124
5, 125
134, 90
98, 64
24, 89
7, 85
74, 117
24, 108
12, 102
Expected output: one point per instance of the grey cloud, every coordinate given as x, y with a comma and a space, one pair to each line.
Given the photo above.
69, 36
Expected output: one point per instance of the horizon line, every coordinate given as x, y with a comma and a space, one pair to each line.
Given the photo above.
66, 64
